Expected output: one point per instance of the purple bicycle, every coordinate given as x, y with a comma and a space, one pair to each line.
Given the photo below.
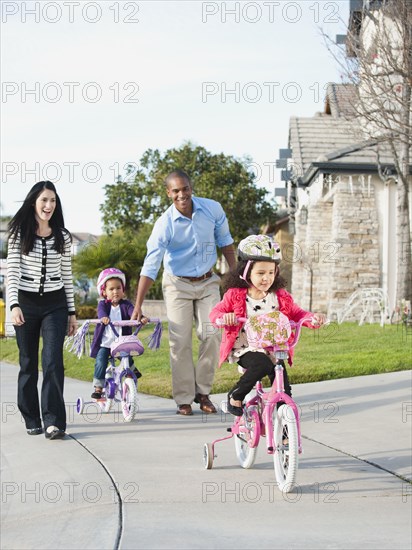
272, 414
120, 381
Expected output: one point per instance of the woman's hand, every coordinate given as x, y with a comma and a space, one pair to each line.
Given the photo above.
72, 325
17, 317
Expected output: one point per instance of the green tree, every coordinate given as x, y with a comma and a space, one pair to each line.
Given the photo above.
140, 196
122, 249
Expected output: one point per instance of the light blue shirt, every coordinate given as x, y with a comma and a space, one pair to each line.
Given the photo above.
187, 246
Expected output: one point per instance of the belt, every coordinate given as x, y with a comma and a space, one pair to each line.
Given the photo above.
201, 278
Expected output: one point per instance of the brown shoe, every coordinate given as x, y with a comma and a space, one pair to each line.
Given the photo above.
205, 404
185, 410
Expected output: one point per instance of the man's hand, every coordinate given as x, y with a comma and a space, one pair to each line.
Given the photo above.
144, 284
137, 314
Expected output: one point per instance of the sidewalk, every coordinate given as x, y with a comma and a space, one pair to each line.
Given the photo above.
142, 485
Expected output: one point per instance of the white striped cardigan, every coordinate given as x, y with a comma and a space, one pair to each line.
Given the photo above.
42, 270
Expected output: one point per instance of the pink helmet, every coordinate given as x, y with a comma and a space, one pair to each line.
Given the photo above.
109, 273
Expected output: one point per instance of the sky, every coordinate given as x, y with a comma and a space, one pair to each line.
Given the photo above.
88, 87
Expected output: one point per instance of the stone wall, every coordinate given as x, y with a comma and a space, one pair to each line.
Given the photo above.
355, 228
340, 245
313, 254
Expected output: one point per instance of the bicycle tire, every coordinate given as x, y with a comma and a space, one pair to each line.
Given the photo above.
129, 399
246, 442
285, 457
208, 456
109, 390
108, 405
79, 405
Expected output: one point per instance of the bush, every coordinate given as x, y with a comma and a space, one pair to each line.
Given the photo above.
86, 312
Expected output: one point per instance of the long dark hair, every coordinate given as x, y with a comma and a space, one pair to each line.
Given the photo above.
232, 278
24, 222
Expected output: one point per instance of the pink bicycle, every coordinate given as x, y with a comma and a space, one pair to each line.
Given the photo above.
272, 414
120, 381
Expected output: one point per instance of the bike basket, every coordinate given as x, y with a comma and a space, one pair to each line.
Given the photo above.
126, 345
269, 330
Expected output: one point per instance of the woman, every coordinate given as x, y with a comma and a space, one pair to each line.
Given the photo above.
40, 288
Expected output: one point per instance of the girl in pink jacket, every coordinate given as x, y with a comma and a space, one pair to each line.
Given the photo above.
254, 287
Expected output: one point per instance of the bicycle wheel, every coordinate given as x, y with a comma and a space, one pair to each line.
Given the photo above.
129, 399
109, 390
80, 406
285, 458
246, 441
108, 405
208, 456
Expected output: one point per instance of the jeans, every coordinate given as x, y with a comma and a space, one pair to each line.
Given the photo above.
49, 320
100, 366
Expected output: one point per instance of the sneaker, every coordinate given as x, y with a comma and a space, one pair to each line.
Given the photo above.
236, 411
97, 394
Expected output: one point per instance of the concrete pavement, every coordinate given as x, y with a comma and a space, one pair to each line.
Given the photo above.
142, 485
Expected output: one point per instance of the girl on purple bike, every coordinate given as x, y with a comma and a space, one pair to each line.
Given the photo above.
113, 307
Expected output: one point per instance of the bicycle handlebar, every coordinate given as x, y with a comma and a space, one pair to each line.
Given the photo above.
294, 325
76, 343
126, 323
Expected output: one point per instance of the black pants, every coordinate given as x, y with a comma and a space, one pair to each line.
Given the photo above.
50, 320
258, 366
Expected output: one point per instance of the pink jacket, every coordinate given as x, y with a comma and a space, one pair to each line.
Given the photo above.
234, 300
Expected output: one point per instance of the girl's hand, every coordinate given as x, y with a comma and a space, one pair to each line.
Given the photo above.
105, 320
229, 319
72, 325
319, 319
17, 317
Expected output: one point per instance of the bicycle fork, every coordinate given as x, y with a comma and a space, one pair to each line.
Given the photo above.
275, 397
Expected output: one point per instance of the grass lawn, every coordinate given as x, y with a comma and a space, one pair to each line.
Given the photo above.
335, 351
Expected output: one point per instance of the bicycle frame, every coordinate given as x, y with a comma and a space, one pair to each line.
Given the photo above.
116, 382
263, 403
115, 375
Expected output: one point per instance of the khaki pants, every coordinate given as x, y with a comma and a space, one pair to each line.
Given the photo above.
187, 302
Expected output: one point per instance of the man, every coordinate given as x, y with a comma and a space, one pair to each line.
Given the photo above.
185, 238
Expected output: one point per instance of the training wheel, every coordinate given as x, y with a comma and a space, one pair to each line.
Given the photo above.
80, 405
208, 456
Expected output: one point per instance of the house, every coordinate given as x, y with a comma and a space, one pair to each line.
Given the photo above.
345, 239
83, 240
279, 230
344, 187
